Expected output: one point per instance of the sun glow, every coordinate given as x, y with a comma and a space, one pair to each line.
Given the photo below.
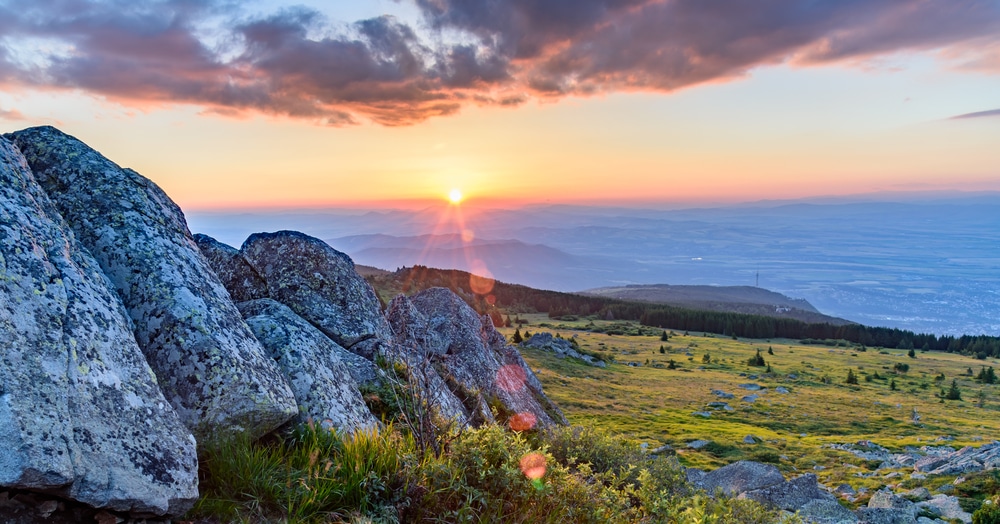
455, 196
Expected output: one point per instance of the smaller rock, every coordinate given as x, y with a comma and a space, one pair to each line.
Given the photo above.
750, 398
722, 394
781, 389
751, 439
822, 511
718, 405
665, 449
917, 495
47, 508
698, 444
845, 489
705, 414
750, 387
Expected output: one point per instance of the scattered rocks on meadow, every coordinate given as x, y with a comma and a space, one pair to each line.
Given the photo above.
208, 364
561, 347
81, 414
722, 394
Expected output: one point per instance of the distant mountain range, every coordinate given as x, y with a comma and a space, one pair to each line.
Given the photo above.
736, 299
927, 263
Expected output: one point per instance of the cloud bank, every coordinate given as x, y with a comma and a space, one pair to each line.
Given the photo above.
297, 63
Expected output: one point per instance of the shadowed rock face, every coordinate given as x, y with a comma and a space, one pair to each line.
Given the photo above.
475, 360
319, 284
242, 282
80, 411
419, 347
323, 385
209, 365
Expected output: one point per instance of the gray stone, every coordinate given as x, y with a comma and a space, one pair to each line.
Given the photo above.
823, 511
478, 364
698, 444
751, 439
742, 476
208, 364
80, 411
887, 500
947, 507
884, 516
704, 414
750, 387
320, 284
789, 496
781, 389
917, 494
561, 347
750, 398
420, 349
324, 388
240, 280
722, 394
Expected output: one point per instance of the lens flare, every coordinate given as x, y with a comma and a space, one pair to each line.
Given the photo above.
455, 196
511, 378
533, 466
523, 421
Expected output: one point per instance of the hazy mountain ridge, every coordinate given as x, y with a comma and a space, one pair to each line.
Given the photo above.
924, 263
737, 299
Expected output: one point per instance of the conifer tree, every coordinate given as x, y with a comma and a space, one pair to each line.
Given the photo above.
516, 338
953, 392
851, 377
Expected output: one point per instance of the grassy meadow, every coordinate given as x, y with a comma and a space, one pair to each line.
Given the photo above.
656, 405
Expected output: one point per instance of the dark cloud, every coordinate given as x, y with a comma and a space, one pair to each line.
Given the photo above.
978, 114
297, 63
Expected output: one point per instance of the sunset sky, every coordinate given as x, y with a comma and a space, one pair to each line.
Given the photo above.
392, 103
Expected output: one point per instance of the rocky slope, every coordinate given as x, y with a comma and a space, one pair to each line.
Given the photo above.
126, 340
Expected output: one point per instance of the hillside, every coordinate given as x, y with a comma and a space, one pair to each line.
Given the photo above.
797, 411
737, 299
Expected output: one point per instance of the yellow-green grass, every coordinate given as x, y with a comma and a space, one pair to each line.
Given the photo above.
656, 405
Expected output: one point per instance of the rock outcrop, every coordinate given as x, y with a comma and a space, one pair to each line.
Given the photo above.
324, 387
209, 365
80, 411
473, 359
242, 282
561, 347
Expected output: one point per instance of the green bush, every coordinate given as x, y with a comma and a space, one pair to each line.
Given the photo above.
988, 513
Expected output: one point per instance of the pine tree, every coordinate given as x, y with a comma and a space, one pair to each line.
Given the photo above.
516, 338
769, 350
671, 364
664, 337
892, 385
851, 377
706, 358
757, 360
911, 353
662, 349
953, 392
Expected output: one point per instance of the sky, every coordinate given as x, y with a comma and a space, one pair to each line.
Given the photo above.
268, 104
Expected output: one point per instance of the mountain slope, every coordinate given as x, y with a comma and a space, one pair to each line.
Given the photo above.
736, 299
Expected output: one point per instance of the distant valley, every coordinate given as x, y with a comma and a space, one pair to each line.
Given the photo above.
929, 263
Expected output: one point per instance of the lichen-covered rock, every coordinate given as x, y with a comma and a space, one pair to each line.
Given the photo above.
210, 367
323, 385
242, 282
419, 347
742, 476
319, 284
822, 511
80, 411
479, 366
791, 495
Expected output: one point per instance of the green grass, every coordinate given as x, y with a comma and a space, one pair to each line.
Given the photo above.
653, 404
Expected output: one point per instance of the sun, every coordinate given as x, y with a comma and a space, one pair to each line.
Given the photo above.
455, 196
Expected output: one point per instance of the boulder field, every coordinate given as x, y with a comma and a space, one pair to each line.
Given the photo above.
125, 340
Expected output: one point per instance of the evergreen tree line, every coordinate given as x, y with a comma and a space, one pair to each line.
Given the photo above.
518, 298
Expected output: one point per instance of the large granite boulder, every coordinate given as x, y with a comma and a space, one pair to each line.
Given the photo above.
475, 361
323, 384
209, 365
81, 415
740, 477
319, 284
791, 495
